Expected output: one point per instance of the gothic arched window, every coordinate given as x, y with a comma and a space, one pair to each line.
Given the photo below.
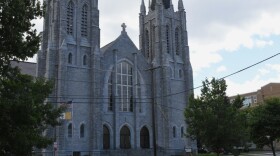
82, 131
174, 132
120, 85
138, 92
106, 137
84, 21
70, 58
177, 41
125, 138
153, 41
182, 132
180, 73
70, 17
167, 39
124, 86
147, 43
110, 93
85, 60
69, 130
144, 138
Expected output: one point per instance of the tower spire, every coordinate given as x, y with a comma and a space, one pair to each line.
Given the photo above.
171, 5
181, 5
153, 4
143, 7
165, 3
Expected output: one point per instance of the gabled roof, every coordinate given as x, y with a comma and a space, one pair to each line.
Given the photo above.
28, 68
122, 38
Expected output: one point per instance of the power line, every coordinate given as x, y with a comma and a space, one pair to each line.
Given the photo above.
172, 94
100, 103
226, 75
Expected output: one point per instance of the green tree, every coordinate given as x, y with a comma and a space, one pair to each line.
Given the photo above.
265, 127
24, 115
18, 39
238, 101
213, 119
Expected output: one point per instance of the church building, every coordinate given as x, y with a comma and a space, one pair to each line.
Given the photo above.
122, 101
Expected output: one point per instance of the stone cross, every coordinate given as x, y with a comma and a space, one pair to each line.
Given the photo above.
123, 26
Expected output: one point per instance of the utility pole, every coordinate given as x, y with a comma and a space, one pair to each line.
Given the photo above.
153, 110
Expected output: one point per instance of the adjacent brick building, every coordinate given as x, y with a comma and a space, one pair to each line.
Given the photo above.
258, 97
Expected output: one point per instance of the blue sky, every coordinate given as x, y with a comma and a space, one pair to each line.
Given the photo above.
224, 36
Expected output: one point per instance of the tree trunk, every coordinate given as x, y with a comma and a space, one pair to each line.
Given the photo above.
272, 147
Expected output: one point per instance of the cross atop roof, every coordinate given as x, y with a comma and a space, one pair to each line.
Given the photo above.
123, 26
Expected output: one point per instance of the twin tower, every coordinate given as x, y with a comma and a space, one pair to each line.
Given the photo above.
122, 101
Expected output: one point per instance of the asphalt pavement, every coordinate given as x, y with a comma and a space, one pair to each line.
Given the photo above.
260, 153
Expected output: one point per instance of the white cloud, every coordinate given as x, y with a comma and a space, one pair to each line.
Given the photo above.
263, 43
274, 67
264, 71
221, 69
229, 31
201, 60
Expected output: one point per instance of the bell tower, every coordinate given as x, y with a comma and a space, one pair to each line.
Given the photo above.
70, 27
69, 56
164, 43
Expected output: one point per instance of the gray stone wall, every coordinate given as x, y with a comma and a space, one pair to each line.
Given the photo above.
167, 74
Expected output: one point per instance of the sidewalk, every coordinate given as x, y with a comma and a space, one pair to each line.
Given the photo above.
260, 153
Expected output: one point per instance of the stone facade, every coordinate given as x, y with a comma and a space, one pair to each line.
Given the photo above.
123, 101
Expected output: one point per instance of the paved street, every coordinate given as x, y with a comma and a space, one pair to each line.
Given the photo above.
262, 153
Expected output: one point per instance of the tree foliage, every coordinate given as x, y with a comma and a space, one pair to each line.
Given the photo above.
213, 119
24, 115
265, 119
18, 39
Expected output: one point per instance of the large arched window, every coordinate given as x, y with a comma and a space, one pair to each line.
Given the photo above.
106, 137
144, 138
124, 86
147, 43
82, 131
70, 17
69, 129
123, 89
177, 41
167, 39
125, 138
84, 21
